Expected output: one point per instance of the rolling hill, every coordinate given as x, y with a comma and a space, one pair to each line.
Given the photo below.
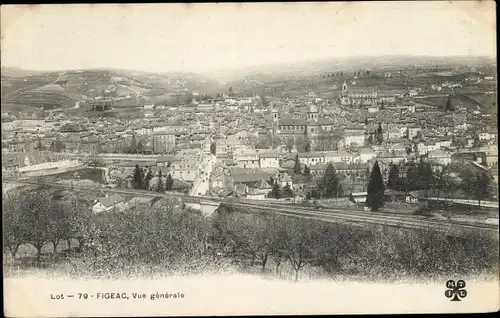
125, 88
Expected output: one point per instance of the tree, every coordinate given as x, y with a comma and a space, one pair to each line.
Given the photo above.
147, 179
307, 172
459, 142
169, 183
412, 176
39, 146
213, 148
449, 106
296, 166
375, 197
58, 225
140, 147
425, 176
329, 184
278, 240
38, 219
160, 187
478, 185
57, 146
275, 191
442, 181
13, 223
393, 181
300, 143
307, 146
289, 144
133, 145
300, 243
477, 142
327, 140
287, 191
370, 139
380, 134
77, 220
137, 178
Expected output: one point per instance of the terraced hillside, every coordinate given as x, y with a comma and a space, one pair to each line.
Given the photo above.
12, 86
45, 99
482, 102
121, 88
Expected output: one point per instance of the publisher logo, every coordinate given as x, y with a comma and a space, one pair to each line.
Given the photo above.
455, 290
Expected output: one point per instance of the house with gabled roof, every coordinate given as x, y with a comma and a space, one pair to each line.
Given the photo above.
114, 201
259, 190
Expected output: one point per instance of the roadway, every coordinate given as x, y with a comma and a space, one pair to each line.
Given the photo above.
326, 214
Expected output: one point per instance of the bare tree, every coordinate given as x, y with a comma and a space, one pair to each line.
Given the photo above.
36, 208
13, 235
278, 239
299, 248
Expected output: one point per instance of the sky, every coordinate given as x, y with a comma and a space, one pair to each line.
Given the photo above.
209, 37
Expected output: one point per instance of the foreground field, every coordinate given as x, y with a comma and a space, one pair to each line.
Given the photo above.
167, 239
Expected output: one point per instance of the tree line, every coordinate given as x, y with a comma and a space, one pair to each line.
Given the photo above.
271, 241
169, 238
329, 185
35, 218
141, 180
420, 176
342, 73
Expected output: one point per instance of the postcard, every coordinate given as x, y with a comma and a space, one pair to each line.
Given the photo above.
249, 158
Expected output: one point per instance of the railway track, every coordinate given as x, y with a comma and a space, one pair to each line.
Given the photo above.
338, 216
326, 214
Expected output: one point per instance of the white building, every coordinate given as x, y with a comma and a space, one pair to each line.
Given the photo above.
366, 155
440, 156
311, 158
354, 139
249, 160
425, 147
269, 160
413, 132
338, 156
486, 136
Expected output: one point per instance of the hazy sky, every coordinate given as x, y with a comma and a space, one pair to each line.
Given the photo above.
206, 37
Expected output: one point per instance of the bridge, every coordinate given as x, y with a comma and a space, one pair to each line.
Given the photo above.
208, 205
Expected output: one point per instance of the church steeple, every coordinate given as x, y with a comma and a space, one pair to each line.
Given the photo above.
344, 88
274, 113
313, 113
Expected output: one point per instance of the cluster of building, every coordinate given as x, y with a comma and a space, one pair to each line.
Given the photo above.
232, 145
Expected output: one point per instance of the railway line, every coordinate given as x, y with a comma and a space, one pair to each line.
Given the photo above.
326, 214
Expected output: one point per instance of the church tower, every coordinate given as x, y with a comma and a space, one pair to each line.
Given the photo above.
312, 114
344, 89
274, 114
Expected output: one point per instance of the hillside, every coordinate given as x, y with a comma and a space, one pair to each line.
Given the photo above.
121, 87
350, 64
456, 101
17, 72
